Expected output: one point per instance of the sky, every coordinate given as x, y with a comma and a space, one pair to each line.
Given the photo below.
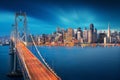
44, 16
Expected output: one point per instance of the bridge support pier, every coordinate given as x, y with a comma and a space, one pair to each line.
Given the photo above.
14, 71
11, 50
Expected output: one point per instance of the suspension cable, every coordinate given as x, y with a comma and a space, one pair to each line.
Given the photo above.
41, 56
23, 60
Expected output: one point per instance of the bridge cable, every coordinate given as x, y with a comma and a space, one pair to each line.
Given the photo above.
41, 55
23, 60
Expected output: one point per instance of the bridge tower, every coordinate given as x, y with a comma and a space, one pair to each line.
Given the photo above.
21, 28
19, 32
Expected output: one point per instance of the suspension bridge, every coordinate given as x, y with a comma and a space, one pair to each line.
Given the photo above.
32, 68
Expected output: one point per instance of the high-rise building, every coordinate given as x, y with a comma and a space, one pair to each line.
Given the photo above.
75, 34
109, 35
105, 40
92, 31
109, 32
85, 35
101, 37
79, 29
92, 27
78, 35
69, 35
89, 36
95, 36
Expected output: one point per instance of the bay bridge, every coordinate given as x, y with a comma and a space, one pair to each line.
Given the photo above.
32, 68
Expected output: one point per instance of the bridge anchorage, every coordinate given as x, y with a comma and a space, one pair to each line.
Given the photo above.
30, 66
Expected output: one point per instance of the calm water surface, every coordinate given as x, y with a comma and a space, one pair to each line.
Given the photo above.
73, 63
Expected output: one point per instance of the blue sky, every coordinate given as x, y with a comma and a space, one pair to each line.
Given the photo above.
45, 16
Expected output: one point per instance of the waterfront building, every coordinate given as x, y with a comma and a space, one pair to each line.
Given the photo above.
92, 27
101, 37
105, 41
75, 34
89, 36
39, 40
85, 35
95, 36
43, 38
109, 35
79, 29
78, 35
109, 32
69, 35
92, 31
59, 37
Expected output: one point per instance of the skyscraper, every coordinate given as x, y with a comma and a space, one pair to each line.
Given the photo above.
91, 33
69, 34
85, 35
79, 30
78, 35
95, 36
89, 36
109, 32
92, 28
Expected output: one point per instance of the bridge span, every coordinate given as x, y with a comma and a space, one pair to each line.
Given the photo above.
35, 69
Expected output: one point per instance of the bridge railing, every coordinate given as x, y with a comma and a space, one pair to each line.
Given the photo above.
23, 66
47, 66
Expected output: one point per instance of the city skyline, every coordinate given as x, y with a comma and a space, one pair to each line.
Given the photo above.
78, 37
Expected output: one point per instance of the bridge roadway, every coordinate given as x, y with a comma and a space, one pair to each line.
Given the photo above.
36, 70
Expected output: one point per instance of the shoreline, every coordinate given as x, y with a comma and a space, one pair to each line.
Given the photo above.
84, 45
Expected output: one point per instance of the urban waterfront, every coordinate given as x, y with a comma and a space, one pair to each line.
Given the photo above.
60, 40
73, 63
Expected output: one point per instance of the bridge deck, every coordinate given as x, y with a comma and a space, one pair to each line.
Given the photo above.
36, 70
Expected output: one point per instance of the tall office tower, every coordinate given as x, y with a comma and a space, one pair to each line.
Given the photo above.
105, 40
69, 34
95, 35
85, 35
89, 36
92, 27
109, 35
44, 38
63, 32
92, 31
79, 30
109, 32
101, 37
78, 35
75, 34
